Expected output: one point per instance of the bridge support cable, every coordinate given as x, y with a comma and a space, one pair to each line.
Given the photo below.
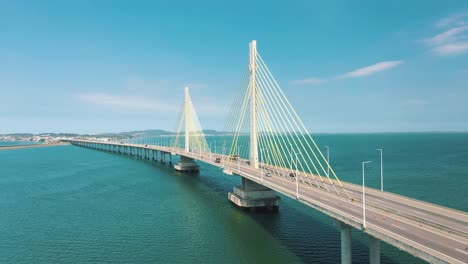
236, 124
284, 123
284, 145
279, 129
300, 132
292, 143
189, 126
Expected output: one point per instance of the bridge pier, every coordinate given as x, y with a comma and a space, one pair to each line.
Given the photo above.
346, 256
253, 195
374, 250
186, 165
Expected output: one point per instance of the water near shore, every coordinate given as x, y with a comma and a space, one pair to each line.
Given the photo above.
18, 143
69, 204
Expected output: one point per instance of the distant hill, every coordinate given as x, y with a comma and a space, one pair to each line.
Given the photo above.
139, 133
129, 134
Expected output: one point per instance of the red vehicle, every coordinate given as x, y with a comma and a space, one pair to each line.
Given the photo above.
218, 160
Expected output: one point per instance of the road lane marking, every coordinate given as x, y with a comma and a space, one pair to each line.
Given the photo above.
398, 227
323, 198
418, 243
464, 252
419, 212
355, 210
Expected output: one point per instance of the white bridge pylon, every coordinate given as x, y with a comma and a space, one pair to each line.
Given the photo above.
267, 131
194, 139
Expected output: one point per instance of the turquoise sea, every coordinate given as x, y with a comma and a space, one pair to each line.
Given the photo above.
18, 143
69, 204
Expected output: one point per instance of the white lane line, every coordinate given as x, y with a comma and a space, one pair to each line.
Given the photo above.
355, 210
459, 250
323, 198
398, 227
419, 212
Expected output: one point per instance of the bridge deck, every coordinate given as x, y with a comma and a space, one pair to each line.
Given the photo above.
434, 233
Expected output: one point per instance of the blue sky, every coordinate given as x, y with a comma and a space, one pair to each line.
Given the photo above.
102, 66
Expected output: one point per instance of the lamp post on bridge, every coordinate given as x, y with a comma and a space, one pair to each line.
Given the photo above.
223, 152
364, 196
297, 175
215, 147
381, 169
238, 158
328, 161
261, 164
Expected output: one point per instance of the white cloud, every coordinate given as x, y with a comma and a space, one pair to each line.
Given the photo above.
451, 48
210, 105
446, 36
452, 41
416, 102
452, 20
369, 70
309, 81
203, 105
197, 85
128, 102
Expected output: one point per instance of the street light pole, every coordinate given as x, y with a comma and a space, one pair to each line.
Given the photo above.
297, 176
261, 164
223, 151
364, 196
381, 169
328, 161
238, 158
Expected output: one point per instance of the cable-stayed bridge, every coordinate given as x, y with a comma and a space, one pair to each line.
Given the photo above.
269, 147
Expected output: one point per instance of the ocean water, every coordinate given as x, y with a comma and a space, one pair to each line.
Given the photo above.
68, 204
18, 143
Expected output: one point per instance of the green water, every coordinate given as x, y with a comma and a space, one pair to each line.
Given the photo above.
72, 205
18, 143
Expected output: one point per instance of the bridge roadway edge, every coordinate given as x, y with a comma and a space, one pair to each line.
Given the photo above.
403, 243
413, 250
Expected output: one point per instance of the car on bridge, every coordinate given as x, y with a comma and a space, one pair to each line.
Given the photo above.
292, 174
268, 174
233, 157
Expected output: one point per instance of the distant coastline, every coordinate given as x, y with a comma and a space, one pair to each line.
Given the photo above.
32, 146
52, 138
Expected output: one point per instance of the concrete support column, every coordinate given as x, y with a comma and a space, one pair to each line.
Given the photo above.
345, 243
253, 195
374, 250
185, 164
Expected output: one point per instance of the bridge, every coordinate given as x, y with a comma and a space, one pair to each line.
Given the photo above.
268, 146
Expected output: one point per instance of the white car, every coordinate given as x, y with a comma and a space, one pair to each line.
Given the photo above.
268, 174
